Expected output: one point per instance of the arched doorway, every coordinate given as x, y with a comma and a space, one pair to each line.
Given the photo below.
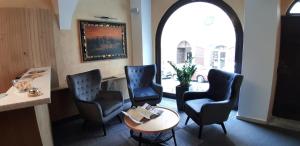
184, 51
214, 34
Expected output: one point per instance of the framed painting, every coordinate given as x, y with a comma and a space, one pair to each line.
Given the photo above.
102, 40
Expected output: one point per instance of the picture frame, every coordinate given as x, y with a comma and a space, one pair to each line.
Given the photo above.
102, 40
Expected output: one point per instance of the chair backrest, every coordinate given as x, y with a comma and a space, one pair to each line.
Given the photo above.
220, 84
235, 89
85, 86
140, 76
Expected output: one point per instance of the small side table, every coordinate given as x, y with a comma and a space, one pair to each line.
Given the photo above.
156, 130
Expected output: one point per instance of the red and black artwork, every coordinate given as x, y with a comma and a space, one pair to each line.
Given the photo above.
102, 40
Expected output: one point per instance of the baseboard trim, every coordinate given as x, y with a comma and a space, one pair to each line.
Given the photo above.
285, 123
275, 122
248, 119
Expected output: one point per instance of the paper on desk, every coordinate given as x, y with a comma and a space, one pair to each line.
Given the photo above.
3, 95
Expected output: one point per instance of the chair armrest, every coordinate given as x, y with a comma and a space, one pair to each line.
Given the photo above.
158, 88
215, 111
111, 94
89, 110
190, 95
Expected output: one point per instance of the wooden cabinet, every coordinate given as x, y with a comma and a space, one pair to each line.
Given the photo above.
24, 120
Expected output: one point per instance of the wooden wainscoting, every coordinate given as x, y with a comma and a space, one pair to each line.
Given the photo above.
26, 41
19, 127
62, 105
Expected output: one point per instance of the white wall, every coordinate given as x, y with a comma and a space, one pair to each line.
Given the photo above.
146, 32
137, 57
238, 7
66, 10
141, 32
259, 54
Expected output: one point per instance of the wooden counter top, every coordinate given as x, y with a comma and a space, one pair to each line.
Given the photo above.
17, 100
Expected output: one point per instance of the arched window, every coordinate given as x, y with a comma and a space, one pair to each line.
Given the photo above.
208, 31
294, 9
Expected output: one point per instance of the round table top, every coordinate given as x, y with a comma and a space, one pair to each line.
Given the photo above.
166, 121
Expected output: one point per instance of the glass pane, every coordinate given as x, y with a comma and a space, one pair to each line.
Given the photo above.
200, 30
296, 8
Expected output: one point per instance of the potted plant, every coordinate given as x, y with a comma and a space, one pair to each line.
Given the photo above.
184, 76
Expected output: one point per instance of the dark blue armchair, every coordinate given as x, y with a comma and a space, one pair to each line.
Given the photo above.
94, 105
213, 106
141, 86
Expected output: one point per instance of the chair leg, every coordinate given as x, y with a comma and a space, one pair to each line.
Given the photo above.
84, 124
119, 118
223, 127
104, 130
173, 133
200, 131
187, 120
140, 140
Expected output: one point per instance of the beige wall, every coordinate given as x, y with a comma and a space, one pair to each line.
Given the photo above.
67, 44
239, 7
158, 9
285, 4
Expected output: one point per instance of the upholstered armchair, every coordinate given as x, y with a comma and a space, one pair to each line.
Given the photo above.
213, 106
141, 86
94, 105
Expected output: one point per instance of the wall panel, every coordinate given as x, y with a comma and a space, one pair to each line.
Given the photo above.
26, 41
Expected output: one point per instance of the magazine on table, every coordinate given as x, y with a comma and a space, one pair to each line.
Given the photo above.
139, 113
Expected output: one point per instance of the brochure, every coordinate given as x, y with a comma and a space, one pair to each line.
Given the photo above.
142, 112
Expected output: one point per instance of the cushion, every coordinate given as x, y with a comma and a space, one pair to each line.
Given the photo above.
146, 93
109, 105
196, 104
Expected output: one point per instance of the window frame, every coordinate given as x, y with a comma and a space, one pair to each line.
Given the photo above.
219, 3
288, 12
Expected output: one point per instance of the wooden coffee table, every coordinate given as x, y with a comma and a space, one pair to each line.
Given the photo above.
157, 130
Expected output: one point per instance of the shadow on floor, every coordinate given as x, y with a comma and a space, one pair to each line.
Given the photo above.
240, 133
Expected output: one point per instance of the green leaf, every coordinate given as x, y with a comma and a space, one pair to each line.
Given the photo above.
185, 73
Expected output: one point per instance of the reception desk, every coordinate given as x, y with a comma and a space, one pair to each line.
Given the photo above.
25, 120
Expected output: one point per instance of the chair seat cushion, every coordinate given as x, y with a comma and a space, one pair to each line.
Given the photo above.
146, 93
109, 105
196, 104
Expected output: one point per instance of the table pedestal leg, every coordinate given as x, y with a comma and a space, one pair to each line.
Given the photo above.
140, 143
173, 133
